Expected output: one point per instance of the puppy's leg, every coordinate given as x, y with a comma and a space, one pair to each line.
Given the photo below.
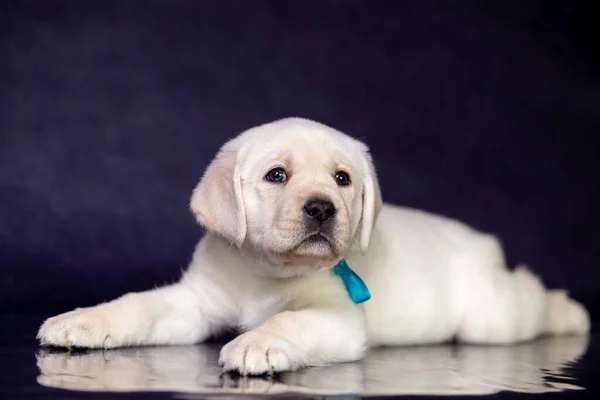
504, 307
168, 315
295, 339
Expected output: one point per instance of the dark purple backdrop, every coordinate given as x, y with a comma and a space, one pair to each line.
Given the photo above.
110, 111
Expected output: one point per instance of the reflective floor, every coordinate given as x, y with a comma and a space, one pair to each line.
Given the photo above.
543, 366
530, 368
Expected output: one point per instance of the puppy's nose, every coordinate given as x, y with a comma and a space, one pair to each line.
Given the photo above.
319, 209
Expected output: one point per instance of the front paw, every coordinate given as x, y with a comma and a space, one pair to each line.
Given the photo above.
255, 353
85, 327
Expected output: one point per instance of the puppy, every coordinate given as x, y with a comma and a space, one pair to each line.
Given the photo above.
283, 203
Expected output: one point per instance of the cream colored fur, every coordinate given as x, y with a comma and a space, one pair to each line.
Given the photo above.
432, 279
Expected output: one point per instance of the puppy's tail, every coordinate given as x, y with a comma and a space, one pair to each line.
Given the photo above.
565, 315
561, 314
515, 306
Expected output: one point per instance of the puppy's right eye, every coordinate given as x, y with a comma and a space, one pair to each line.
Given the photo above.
276, 175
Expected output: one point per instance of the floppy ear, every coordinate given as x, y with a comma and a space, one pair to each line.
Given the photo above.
217, 201
371, 202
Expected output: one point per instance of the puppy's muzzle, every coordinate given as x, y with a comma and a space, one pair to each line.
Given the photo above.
319, 213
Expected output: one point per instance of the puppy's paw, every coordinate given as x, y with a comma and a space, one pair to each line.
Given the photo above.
255, 353
82, 327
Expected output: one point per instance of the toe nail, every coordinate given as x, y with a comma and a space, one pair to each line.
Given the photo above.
108, 342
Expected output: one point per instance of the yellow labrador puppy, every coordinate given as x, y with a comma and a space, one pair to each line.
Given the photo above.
304, 259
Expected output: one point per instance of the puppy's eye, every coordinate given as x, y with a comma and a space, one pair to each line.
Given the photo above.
342, 178
276, 175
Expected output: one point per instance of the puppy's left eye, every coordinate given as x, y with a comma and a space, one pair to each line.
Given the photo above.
342, 178
276, 175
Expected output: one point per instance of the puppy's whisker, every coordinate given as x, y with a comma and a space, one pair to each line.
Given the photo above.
257, 243
259, 246
354, 239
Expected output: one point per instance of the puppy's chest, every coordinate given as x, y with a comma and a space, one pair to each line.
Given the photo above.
258, 308
264, 301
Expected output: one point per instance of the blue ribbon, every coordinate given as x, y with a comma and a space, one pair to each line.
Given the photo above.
355, 286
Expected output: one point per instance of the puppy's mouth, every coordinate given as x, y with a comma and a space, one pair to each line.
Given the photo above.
318, 238
316, 244
313, 249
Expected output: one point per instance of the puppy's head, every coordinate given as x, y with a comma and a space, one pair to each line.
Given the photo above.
294, 191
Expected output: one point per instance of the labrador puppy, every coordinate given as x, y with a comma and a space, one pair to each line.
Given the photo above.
283, 204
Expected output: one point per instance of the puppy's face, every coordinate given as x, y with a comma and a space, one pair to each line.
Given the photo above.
294, 191
302, 195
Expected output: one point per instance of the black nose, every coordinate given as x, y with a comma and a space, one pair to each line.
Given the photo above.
319, 209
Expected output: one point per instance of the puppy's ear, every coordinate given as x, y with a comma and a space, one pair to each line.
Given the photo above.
371, 202
217, 201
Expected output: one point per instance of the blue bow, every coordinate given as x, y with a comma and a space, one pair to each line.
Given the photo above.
355, 286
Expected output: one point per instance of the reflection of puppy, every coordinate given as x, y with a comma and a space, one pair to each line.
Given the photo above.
532, 367
283, 203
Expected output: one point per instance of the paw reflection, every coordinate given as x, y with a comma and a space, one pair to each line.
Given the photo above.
248, 384
535, 367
